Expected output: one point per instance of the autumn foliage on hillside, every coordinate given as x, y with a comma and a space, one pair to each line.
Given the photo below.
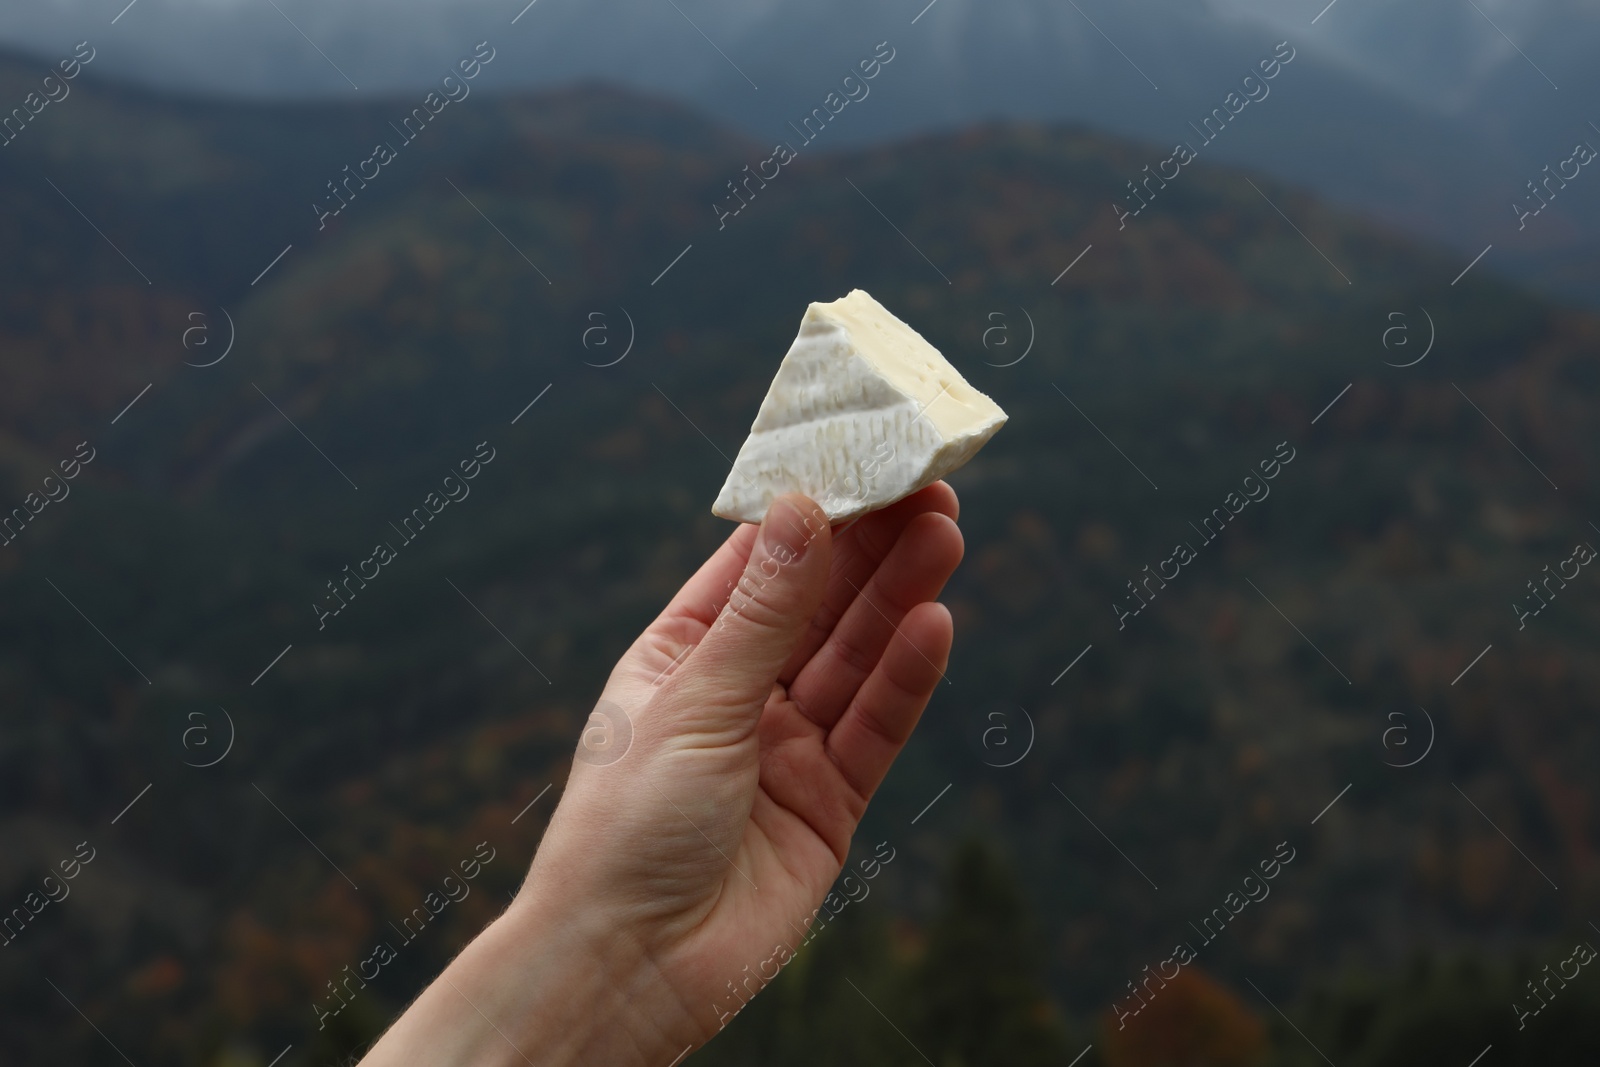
1191, 1021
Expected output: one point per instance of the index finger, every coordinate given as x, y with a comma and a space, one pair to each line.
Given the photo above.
858, 548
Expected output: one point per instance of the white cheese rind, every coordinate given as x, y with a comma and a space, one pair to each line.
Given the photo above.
862, 412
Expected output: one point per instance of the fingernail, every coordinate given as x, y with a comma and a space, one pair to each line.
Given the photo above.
784, 532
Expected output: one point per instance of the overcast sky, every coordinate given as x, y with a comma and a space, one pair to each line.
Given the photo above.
1434, 52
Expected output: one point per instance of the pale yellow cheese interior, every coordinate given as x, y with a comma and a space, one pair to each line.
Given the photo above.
909, 363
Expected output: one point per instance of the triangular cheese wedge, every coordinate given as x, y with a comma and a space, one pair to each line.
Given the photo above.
862, 412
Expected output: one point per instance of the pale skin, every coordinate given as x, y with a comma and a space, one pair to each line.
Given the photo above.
762, 724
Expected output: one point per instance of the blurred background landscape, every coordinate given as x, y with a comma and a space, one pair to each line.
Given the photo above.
1352, 668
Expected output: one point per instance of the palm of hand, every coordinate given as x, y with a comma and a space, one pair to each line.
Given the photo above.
759, 732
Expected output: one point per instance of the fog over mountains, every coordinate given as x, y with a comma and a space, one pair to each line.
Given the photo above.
1437, 54
1431, 115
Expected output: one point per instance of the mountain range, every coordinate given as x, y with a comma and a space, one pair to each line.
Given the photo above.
1431, 117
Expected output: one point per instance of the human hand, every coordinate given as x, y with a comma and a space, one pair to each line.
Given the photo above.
766, 704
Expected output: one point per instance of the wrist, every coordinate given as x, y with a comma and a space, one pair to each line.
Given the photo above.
591, 991
547, 983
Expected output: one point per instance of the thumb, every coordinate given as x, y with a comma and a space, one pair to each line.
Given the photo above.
769, 610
